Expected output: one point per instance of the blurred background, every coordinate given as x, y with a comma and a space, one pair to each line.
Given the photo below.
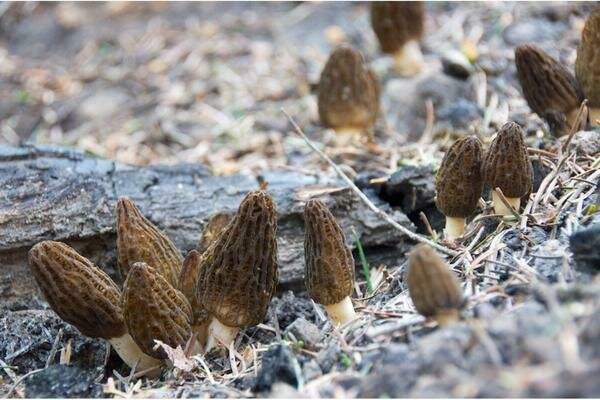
148, 83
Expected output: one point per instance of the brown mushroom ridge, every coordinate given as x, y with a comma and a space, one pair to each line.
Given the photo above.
329, 266
216, 224
458, 182
432, 286
587, 64
397, 22
138, 240
78, 291
154, 309
188, 283
548, 86
348, 91
238, 272
507, 164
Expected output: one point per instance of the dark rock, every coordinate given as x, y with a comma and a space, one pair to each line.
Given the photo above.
279, 364
585, 245
362, 180
328, 356
64, 381
455, 64
290, 306
584, 143
305, 331
460, 114
411, 187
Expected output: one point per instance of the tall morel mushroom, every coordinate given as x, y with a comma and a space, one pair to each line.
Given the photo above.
155, 310
348, 97
550, 89
399, 26
458, 183
238, 272
587, 65
433, 287
329, 265
84, 296
213, 229
187, 285
508, 167
138, 240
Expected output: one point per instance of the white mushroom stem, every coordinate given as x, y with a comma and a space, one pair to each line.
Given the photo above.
594, 116
342, 312
447, 317
455, 227
201, 331
408, 61
501, 208
131, 353
220, 334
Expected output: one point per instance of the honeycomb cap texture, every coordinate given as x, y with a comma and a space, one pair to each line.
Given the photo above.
507, 164
188, 283
238, 272
432, 286
329, 265
348, 91
547, 85
587, 64
458, 182
154, 309
397, 22
78, 291
138, 240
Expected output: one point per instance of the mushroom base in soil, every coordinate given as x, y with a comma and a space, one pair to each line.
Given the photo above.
220, 334
447, 317
342, 312
131, 354
408, 61
501, 208
348, 131
455, 227
594, 116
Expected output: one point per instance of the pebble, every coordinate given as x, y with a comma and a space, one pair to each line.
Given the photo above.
64, 381
585, 245
305, 331
279, 364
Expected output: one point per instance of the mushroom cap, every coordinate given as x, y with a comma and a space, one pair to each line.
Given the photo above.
187, 285
458, 183
348, 91
587, 64
507, 165
138, 240
238, 273
397, 22
78, 291
329, 265
432, 286
213, 229
154, 309
547, 85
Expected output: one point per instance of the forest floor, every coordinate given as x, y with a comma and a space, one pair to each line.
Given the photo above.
168, 83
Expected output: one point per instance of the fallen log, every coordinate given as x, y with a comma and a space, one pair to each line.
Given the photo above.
67, 195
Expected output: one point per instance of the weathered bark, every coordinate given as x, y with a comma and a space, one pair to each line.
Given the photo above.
66, 195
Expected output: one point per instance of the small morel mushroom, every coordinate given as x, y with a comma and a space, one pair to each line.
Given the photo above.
548, 87
587, 65
348, 97
213, 228
187, 285
238, 273
153, 309
138, 240
84, 296
508, 167
458, 183
399, 26
329, 265
433, 287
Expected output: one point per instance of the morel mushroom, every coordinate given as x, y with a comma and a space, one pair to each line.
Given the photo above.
187, 285
458, 183
548, 87
238, 273
348, 97
587, 65
153, 309
399, 26
433, 287
84, 296
508, 167
329, 265
213, 229
138, 240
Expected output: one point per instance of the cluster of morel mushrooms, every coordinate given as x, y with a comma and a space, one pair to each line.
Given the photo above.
202, 301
